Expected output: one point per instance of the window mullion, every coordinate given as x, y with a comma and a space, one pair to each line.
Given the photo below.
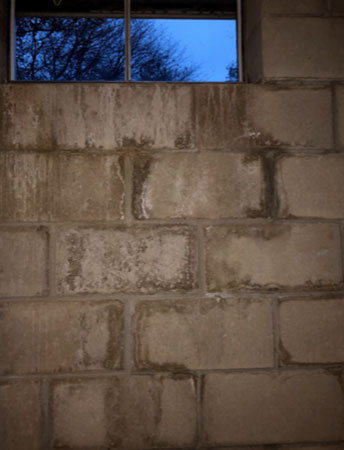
127, 35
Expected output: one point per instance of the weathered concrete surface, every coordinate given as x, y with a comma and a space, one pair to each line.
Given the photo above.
26, 120
252, 116
23, 261
290, 117
27, 187
210, 184
108, 116
21, 420
311, 186
90, 187
293, 6
312, 331
43, 186
286, 256
60, 337
267, 408
107, 260
125, 412
205, 334
163, 116
303, 47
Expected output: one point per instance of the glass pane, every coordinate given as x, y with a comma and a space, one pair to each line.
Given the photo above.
183, 50
69, 49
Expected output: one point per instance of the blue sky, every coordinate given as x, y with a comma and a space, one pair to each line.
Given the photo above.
211, 44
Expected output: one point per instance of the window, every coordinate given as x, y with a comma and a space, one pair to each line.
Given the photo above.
126, 40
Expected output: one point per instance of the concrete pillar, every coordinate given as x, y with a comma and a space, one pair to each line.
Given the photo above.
293, 40
4, 40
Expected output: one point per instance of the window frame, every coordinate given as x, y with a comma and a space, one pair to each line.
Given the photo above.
127, 15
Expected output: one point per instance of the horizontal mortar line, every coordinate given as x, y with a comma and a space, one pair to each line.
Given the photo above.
167, 373
259, 151
176, 296
191, 222
333, 295
298, 15
230, 149
65, 151
107, 297
302, 81
276, 292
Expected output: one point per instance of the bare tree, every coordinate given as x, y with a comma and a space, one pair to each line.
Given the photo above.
85, 49
232, 72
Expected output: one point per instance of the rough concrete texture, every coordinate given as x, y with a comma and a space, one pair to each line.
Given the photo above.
23, 261
38, 186
60, 337
287, 256
26, 187
26, 116
340, 115
311, 186
303, 47
204, 185
293, 6
267, 408
90, 187
312, 331
290, 117
125, 412
134, 115
158, 116
107, 260
204, 334
21, 420
262, 116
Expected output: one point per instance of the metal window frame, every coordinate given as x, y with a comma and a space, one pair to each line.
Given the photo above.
127, 14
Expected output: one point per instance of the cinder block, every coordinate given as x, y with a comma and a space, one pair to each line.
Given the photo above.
286, 256
89, 187
251, 116
26, 116
125, 412
280, 116
311, 186
107, 260
340, 115
21, 415
43, 186
204, 334
112, 116
269, 408
23, 262
294, 7
312, 331
26, 187
204, 185
303, 47
56, 337
220, 116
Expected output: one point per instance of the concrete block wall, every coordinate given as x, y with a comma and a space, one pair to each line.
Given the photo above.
171, 266
288, 40
171, 255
